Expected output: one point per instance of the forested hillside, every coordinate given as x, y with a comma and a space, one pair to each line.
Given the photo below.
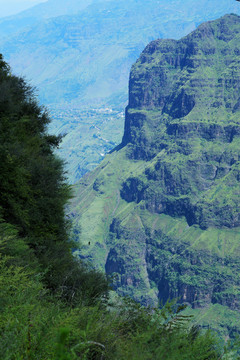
52, 306
161, 212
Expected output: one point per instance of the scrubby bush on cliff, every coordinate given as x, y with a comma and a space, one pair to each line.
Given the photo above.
34, 192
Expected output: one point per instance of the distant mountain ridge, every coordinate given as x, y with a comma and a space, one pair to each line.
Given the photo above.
79, 54
82, 51
161, 212
46, 10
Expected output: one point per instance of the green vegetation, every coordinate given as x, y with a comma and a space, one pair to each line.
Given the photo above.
53, 306
36, 325
33, 191
161, 213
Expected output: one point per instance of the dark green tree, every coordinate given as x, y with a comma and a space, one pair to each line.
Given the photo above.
33, 188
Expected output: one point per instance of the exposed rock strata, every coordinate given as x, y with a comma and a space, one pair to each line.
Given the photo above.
163, 211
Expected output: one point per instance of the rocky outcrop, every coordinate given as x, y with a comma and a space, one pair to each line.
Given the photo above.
163, 211
183, 104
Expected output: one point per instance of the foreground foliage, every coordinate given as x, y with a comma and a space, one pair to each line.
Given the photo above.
53, 306
34, 324
33, 190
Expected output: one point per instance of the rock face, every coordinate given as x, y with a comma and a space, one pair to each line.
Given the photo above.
165, 216
184, 98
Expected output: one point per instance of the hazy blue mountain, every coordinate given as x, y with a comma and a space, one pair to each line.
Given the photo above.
12, 7
86, 54
51, 8
80, 53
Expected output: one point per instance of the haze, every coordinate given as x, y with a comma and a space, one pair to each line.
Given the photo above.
12, 7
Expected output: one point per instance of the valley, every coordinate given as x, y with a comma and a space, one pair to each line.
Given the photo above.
79, 55
155, 186
88, 135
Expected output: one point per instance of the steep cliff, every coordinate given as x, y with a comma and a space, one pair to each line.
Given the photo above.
161, 212
79, 53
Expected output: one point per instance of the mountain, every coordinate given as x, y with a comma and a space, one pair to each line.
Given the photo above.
79, 55
81, 52
54, 306
51, 8
161, 212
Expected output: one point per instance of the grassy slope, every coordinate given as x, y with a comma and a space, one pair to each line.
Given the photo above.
94, 211
154, 255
